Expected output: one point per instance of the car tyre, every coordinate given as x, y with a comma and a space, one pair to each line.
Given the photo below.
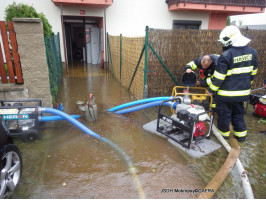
11, 170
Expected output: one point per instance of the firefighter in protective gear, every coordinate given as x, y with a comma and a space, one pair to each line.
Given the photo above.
206, 65
231, 81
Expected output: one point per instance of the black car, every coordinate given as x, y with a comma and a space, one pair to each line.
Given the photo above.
10, 163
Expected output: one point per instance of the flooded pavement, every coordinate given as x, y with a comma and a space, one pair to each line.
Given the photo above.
67, 163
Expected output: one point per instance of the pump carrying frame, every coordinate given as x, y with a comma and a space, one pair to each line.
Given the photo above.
169, 126
172, 126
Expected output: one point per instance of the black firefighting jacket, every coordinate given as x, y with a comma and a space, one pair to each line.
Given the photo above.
234, 74
205, 73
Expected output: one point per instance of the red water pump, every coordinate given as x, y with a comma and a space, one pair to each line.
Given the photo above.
200, 129
258, 100
260, 109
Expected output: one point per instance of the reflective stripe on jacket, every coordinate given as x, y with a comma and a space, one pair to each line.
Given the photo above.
206, 72
197, 64
234, 74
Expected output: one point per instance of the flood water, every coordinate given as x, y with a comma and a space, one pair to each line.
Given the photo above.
67, 163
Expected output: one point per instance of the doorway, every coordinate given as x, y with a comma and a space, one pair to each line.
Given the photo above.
83, 39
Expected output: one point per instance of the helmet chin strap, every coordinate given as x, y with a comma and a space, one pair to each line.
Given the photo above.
227, 47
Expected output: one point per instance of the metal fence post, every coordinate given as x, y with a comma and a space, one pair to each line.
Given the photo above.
145, 89
59, 51
120, 55
107, 52
141, 54
163, 64
108, 44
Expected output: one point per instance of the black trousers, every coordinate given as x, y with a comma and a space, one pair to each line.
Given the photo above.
231, 112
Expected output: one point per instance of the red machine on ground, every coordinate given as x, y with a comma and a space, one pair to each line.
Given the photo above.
258, 100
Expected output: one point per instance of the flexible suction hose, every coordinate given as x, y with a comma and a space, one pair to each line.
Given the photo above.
56, 118
147, 105
242, 172
133, 103
86, 130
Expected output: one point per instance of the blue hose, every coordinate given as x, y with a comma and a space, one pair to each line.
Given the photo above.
86, 130
147, 105
56, 118
133, 103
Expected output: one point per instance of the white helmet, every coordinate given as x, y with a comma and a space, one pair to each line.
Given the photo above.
231, 36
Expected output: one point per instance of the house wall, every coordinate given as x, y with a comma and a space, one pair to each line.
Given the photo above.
221, 18
126, 17
130, 17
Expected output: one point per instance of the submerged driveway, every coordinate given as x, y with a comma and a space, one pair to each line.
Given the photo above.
67, 163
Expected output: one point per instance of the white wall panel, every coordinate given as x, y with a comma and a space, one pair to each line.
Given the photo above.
126, 17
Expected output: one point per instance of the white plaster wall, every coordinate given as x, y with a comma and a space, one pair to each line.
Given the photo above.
130, 17
53, 14
126, 17
89, 11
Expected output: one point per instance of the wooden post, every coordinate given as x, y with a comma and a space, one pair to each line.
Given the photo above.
2, 67
7, 52
14, 46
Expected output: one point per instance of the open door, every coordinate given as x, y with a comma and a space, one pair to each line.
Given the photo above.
83, 39
95, 45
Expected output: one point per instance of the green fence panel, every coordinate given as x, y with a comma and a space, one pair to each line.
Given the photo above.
54, 62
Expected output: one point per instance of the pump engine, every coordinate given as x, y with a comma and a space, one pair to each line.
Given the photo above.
21, 117
258, 100
260, 106
189, 123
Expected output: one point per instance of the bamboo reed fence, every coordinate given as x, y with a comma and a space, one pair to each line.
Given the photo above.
174, 48
128, 58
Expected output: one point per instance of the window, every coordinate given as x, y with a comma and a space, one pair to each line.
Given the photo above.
186, 24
